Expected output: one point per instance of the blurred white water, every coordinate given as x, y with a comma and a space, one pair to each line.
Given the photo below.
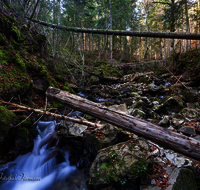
37, 170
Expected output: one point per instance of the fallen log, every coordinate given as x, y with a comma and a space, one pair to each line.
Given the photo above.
81, 121
169, 139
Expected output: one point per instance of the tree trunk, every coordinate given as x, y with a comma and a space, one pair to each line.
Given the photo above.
167, 138
33, 13
187, 23
111, 62
173, 35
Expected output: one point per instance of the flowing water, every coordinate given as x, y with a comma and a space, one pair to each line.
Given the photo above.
42, 168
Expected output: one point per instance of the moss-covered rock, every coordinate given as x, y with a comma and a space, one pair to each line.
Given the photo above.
137, 113
144, 80
7, 119
104, 137
190, 113
119, 162
172, 104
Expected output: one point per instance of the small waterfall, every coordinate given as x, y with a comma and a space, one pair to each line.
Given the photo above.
40, 169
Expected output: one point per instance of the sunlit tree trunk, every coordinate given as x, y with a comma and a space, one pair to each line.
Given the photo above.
199, 21
187, 23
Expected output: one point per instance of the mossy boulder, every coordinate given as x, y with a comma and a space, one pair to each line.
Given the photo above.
138, 113
7, 119
190, 113
140, 105
172, 104
103, 137
116, 164
144, 80
189, 96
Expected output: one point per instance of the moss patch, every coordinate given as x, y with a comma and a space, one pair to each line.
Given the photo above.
6, 118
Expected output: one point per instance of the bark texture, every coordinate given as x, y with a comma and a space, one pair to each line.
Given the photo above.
172, 35
169, 139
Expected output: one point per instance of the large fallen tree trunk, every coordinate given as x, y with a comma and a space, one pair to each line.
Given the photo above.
169, 139
173, 35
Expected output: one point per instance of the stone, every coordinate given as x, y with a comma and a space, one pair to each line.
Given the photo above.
140, 105
177, 122
164, 122
121, 107
188, 130
172, 104
197, 138
137, 113
156, 107
189, 112
155, 103
145, 100
134, 94
171, 128
103, 137
189, 96
121, 161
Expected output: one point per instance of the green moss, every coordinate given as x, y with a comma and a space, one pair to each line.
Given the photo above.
185, 181
144, 80
60, 78
22, 132
16, 31
3, 40
19, 61
6, 118
43, 73
3, 57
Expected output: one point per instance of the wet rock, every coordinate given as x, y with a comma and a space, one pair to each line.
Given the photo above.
153, 88
103, 137
134, 94
74, 157
177, 160
164, 122
177, 122
145, 100
155, 103
77, 129
156, 107
121, 107
137, 113
189, 96
172, 104
68, 127
121, 161
82, 163
139, 104
151, 114
188, 130
193, 105
171, 128
190, 113
197, 138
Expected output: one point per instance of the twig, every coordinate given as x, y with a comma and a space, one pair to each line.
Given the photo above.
23, 120
19, 100
56, 115
9, 101
178, 79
